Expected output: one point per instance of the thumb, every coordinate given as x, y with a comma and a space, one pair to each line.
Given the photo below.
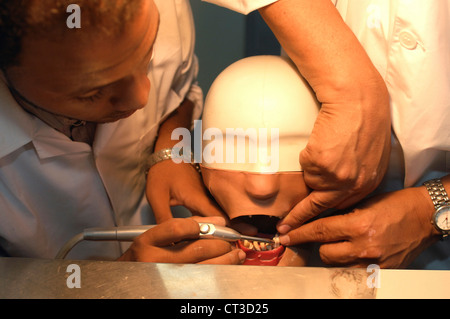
201, 205
160, 204
309, 207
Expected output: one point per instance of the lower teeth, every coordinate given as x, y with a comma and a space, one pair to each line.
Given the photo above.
261, 246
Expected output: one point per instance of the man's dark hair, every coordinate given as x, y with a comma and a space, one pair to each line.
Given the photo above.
19, 18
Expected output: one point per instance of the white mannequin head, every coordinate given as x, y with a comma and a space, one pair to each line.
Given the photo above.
267, 105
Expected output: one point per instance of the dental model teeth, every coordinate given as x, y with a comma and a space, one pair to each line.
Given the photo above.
259, 246
276, 239
248, 244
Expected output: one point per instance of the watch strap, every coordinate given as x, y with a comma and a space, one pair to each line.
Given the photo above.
437, 192
439, 197
167, 154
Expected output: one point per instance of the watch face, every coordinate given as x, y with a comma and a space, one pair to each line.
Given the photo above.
442, 218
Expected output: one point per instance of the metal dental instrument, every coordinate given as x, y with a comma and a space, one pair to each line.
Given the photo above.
128, 233
220, 232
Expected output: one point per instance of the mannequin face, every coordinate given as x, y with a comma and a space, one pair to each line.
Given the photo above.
247, 100
249, 194
268, 110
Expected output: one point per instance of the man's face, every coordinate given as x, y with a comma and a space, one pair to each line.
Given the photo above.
244, 193
88, 75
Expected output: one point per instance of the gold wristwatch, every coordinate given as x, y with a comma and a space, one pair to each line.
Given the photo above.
439, 197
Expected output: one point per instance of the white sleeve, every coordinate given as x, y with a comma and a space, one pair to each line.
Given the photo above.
242, 6
175, 65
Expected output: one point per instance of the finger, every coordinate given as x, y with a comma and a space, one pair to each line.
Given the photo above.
159, 202
320, 181
197, 251
311, 206
338, 254
171, 231
234, 257
200, 204
216, 220
351, 200
324, 230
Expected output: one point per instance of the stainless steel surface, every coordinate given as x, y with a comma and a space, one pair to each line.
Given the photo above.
38, 278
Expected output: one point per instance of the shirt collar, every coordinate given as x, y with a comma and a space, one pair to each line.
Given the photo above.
76, 130
16, 127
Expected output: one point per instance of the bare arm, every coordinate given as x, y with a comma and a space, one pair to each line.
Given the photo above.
172, 184
348, 151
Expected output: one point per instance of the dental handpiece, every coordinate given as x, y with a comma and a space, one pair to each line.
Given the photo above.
128, 233
225, 233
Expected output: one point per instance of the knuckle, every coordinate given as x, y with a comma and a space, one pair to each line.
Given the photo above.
364, 182
372, 252
363, 228
312, 160
320, 231
324, 256
318, 205
347, 175
298, 219
175, 227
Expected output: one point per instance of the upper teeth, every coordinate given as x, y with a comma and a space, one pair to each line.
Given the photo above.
261, 246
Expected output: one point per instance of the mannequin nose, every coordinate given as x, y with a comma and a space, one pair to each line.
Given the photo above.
262, 186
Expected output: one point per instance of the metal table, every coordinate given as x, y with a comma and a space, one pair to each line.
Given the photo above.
51, 279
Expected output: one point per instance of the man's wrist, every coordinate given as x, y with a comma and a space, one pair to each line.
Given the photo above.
170, 153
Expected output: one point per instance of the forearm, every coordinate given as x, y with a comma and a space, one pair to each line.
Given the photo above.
354, 120
324, 49
180, 118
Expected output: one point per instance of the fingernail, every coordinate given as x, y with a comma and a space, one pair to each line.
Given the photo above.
242, 255
283, 229
285, 240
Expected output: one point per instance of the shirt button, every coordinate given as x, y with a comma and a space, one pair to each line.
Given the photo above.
408, 40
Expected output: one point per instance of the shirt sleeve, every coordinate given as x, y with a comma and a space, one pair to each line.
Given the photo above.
175, 65
242, 6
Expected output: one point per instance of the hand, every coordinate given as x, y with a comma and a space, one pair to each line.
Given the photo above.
170, 184
344, 161
390, 230
173, 241
348, 151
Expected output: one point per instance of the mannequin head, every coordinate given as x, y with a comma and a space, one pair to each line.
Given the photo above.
266, 110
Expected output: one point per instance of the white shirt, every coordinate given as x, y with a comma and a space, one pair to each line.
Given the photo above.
52, 188
409, 43
242, 6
